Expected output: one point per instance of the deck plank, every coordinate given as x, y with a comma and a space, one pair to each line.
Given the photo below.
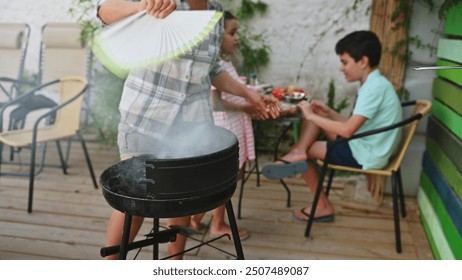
69, 220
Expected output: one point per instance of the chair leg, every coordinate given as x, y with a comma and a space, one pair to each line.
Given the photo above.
256, 132
1, 157
61, 157
256, 167
394, 190
32, 175
329, 182
289, 195
234, 230
87, 158
309, 224
401, 194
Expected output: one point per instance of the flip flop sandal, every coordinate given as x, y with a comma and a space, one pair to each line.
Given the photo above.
193, 231
323, 219
287, 169
245, 236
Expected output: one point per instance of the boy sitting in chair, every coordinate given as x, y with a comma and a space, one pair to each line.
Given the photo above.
377, 105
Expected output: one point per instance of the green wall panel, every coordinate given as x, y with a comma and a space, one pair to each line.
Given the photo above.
448, 142
448, 117
433, 229
450, 49
453, 21
449, 230
452, 203
448, 93
450, 172
453, 75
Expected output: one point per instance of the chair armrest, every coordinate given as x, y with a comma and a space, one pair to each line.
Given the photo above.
14, 83
381, 129
56, 108
20, 98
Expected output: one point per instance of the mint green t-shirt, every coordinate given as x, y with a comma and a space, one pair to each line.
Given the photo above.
379, 103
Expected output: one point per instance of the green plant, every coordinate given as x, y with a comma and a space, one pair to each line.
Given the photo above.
443, 8
106, 87
83, 11
331, 99
401, 16
253, 50
104, 111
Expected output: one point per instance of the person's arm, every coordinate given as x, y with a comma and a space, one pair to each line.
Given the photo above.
113, 10
345, 127
322, 109
265, 106
221, 105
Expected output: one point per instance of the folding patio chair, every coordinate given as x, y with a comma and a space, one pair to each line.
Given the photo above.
393, 169
62, 53
13, 48
66, 125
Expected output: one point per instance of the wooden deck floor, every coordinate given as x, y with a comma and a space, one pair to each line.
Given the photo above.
69, 220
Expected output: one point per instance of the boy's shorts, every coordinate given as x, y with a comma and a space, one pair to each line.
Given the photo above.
342, 155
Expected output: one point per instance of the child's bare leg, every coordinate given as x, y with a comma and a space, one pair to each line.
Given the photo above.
196, 221
308, 135
179, 244
311, 178
115, 229
219, 225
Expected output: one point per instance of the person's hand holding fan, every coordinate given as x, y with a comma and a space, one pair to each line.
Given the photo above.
143, 39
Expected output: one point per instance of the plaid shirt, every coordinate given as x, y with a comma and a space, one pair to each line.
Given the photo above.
155, 97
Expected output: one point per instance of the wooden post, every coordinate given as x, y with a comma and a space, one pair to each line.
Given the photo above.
391, 66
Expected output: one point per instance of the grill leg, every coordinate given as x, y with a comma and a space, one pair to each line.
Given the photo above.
234, 230
125, 237
155, 246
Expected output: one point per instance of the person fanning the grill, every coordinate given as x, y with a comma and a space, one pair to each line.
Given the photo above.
156, 97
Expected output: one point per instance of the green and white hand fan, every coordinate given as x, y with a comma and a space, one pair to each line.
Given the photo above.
142, 40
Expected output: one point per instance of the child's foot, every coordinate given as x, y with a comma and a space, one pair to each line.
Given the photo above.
196, 223
225, 229
294, 155
321, 215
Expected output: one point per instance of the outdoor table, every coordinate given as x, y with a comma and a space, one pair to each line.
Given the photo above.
287, 122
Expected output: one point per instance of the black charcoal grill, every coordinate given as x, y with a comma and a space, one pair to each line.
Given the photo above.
196, 171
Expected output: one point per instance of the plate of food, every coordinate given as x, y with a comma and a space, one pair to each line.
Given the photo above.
291, 94
295, 96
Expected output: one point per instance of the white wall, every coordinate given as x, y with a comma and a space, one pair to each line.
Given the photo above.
294, 28
291, 28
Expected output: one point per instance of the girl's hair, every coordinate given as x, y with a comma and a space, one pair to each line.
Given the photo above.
228, 15
359, 44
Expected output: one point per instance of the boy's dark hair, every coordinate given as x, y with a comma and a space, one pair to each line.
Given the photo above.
359, 44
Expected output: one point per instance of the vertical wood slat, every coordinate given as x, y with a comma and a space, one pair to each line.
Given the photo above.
381, 23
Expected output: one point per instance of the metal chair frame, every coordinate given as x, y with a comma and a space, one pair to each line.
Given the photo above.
11, 137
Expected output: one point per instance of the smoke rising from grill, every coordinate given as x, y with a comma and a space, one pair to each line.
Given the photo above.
186, 140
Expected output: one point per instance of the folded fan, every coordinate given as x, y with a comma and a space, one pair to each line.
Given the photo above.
142, 40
